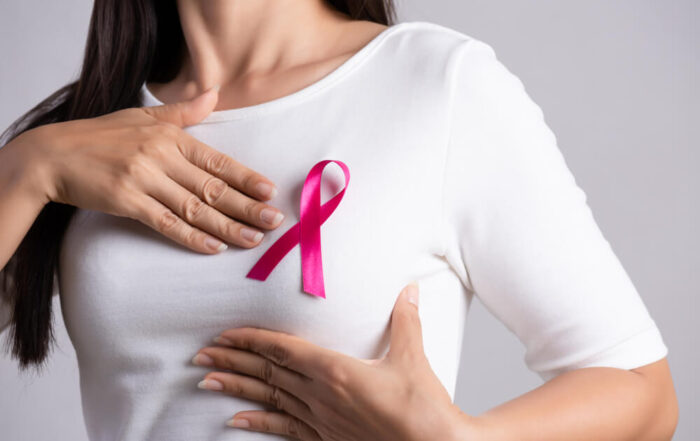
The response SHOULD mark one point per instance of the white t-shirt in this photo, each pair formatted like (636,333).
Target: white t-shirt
(456,182)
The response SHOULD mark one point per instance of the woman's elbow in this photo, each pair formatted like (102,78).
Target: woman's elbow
(662,395)
(671,414)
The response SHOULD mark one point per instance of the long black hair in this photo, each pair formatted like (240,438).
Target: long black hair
(128,43)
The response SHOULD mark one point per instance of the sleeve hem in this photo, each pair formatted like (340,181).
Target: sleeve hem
(642,348)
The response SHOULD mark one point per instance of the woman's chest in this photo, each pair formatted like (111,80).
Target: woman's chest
(122,282)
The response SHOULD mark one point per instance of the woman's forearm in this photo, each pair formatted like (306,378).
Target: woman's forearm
(602,404)
(21,195)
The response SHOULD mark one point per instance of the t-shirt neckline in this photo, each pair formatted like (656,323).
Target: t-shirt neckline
(277,103)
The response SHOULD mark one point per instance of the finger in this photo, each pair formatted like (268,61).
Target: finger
(196,212)
(256,390)
(186,113)
(218,194)
(154,214)
(257,366)
(285,350)
(276,422)
(219,164)
(406,331)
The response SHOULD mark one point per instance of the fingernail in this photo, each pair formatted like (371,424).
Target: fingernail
(238,422)
(267,190)
(412,293)
(222,341)
(210,384)
(251,235)
(202,360)
(215,244)
(271,216)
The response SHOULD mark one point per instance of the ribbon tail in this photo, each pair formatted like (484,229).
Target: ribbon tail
(264,266)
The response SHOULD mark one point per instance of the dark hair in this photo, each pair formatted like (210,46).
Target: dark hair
(128,43)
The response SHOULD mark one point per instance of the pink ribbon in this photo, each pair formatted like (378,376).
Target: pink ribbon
(306,232)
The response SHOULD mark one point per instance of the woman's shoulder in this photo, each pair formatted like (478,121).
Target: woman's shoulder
(425,38)
(430,32)
(424,45)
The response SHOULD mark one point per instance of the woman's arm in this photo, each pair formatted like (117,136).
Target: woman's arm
(595,403)
(21,201)
(21,194)
(520,233)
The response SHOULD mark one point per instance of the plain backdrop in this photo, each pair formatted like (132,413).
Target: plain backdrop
(618,84)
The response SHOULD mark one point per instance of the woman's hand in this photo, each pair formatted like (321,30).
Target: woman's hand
(140,164)
(323,395)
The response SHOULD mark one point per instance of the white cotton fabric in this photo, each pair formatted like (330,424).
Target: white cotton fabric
(456,181)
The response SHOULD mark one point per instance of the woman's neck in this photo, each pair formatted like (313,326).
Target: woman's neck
(240,41)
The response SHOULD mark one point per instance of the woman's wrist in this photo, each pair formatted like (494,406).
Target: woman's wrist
(464,427)
(27,167)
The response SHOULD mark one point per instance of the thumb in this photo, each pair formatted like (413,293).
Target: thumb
(188,112)
(406,329)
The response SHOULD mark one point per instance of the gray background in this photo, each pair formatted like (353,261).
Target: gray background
(618,83)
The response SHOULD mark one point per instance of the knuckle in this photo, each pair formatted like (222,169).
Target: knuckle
(167,220)
(216,163)
(192,208)
(213,190)
(277,353)
(193,236)
(121,184)
(135,167)
(337,375)
(266,425)
(315,406)
(267,371)
(235,388)
(131,173)
(152,147)
(229,360)
(231,230)
(274,397)
(248,179)
(293,427)
(250,209)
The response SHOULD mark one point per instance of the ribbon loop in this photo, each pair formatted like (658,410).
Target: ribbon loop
(306,232)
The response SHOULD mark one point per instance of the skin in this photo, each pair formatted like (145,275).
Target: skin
(259,51)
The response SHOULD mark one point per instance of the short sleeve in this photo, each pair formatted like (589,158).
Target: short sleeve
(519,232)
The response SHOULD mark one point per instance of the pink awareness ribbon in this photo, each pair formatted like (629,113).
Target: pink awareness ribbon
(306,232)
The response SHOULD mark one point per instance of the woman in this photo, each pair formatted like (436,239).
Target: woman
(457,183)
